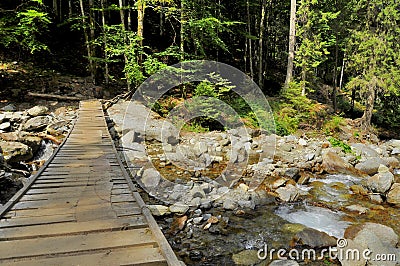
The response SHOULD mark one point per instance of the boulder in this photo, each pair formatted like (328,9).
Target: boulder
(334,164)
(246,257)
(9,108)
(394,194)
(33,142)
(314,238)
(36,123)
(179,208)
(15,151)
(379,239)
(158,210)
(288,193)
(364,151)
(382,181)
(284,263)
(38,110)
(370,166)
(150,178)
(292,173)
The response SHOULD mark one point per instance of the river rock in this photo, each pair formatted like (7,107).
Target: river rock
(38,110)
(394,194)
(370,166)
(284,263)
(382,181)
(379,239)
(9,136)
(15,151)
(5,126)
(334,164)
(150,178)
(9,108)
(229,204)
(364,151)
(36,123)
(246,257)
(395,151)
(357,208)
(302,142)
(314,238)
(288,193)
(375,198)
(179,208)
(292,173)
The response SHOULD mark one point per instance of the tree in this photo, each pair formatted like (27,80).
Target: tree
(292,43)
(374,59)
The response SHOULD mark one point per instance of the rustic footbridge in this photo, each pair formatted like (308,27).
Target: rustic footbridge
(82,208)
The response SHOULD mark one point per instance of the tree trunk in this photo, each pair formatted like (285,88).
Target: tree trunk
(292,43)
(55,7)
(335,78)
(86,35)
(369,107)
(261,46)
(250,41)
(92,38)
(129,16)
(122,13)
(70,9)
(182,31)
(140,20)
(103,22)
(122,16)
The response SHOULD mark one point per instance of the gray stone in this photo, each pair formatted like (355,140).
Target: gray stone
(332,163)
(2,117)
(364,151)
(9,108)
(288,193)
(292,173)
(33,142)
(286,147)
(151,178)
(197,220)
(314,238)
(379,239)
(382,181)
(357,208)
(302,142)
(179,208)
(38,110)
(309,156)
(222,190)
(395,151)
(168,148)
(15,151)
(36,123)
(205,203)
(375,198)
(5,126)
(394,194)
(158,210)
(370,166)
(229,204)
(284,263)
(246,204)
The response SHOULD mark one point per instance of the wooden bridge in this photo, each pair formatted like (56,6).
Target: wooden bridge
(82,208)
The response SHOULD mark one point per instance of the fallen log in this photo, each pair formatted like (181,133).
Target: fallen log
(55,96)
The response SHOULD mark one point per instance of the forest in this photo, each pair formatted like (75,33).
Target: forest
(320,62)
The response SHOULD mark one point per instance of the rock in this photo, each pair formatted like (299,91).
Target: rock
(279,183)
(197,220)
(15,151)
(246,204)
(314,238)
(36,123)
(58,128)
(168,148)
(286,147)
(292,173)
(364,151)
(246,257)
(394,194)
(370,166)
(9,108)
(382,181)
(2,117)
(375,198)
(309,156)
(303,180)
(158,210)
(212,220)
(229,204)
(33,142)
(288,193)
(334,164)
(395,151)
(302,142)
(179,208)
(379,239)
(38,110)
(150,178)
(196,255)
(357,208)
(5,126)
(10,136)
(243,187)
(357,189)
(284,263)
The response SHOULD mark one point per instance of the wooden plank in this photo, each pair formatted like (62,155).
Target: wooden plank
(70,228)
(60,203)
(38,212)
(143,256)
(15,222)
(75,243)
(122,198)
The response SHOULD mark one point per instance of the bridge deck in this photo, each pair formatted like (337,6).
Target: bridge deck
(81,208)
